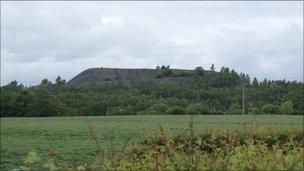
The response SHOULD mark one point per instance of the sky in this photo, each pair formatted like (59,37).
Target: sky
(46,39)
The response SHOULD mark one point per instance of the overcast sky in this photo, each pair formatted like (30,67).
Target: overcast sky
(45,39)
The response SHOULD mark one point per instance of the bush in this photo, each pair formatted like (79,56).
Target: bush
(287,108)
(182,74)
(235,109)
(148,112)
(173,101)
(298,112)
(197,109)
(159,108)
(164,71)
(270,109)
(176,110)
(120,111)
(236,112)
(219,112)
(199,71)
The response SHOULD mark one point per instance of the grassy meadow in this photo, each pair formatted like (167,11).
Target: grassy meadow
(70,139)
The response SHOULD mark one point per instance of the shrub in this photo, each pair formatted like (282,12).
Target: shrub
(182,74)
(270,109)
(120,111)
(173,101)
(197,109)
(287,108)
(176,110)
(159,108)
(219,112)
(298,112)
(236,112)
(235,109)
(199,71)
(164,71)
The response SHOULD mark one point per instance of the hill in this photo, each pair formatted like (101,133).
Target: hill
(106,75)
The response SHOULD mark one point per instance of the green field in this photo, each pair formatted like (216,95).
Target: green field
(70,137)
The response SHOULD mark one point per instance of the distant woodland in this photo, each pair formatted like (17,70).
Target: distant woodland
(218,93)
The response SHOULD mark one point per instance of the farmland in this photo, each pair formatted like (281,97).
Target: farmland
(70,138)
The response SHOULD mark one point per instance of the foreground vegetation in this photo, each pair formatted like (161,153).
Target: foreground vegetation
(138,143)
(252,149)
(246,150)
(196,93)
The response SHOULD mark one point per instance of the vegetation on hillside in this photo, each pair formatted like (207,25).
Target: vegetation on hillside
(214,93)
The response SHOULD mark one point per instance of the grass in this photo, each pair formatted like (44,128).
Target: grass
(69,135)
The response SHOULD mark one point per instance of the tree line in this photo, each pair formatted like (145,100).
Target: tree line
(204,92)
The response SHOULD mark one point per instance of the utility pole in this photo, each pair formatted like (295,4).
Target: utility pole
(243,100)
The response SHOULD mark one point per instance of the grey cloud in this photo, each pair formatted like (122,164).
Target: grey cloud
(46,39)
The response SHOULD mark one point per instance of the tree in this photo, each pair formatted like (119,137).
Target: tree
(158,108)
(235,78)
(255,82)
(24,103)
(45,83)
(270,109)
(165,71)
(199,71)
(247,79)
(59,81)
(14,86)
(192,95)
(235,109)
(59,84)
(163,67)
(252,109)
(265,81)
(225,71)
(175,110)
(44,104)
(8,99)
(120,111)
(212,68)
(287,108)
(296,95)
(197,109)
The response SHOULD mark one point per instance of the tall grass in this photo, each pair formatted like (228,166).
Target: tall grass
(251,148)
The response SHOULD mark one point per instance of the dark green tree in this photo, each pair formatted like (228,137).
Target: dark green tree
(255,82)
(212,68)
(199,71)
